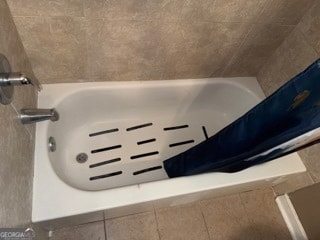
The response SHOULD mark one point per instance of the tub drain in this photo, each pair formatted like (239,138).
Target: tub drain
(82,157)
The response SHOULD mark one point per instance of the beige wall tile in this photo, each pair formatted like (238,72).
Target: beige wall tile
(47,8)
(259,44)
(56,47)
(168,10)
(271,76)
(268,79)
(26,7)
(248,60)
(222,11)
(264,215)
(226,218)
(171,57)
(284,11)
(3,10)
(182,223)
(296,53)
(16,143)
(16,154)
(141,226)
(11,46)
(24,96)
(268,33)
(310,26)
(292,57)
(133,10)
(118,10)
(201,10)
(122,50)
(237,10)
(209,48)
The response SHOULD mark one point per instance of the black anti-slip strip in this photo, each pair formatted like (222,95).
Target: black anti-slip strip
(103,132)
(147,170)
(139,126)
(205,132)
(146,141)
(104,162)
(175,127)
(144,155)
(181,143)
(105,175)
(106,149)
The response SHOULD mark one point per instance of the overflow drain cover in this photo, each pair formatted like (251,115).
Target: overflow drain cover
(52,146)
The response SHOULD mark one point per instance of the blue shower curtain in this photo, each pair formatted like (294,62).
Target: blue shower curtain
(286,121)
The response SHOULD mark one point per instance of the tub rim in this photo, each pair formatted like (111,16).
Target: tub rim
(58,201)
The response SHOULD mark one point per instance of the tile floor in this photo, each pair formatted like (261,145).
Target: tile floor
(249,215)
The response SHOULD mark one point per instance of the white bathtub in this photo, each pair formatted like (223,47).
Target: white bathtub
(126,130)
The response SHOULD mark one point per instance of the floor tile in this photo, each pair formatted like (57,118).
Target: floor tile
(63,234)
(226,218)
(182,223)
(141,226)
(92,231)
(264,215)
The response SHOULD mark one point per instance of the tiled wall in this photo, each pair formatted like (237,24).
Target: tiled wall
(16,140)
(101,40)
(298,51)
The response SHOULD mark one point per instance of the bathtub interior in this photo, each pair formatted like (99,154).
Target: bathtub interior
(118,136)
(60,201)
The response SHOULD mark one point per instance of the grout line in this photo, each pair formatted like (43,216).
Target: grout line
(83,9)
(86,70)
(156,217)
(173,20)
(311,178)
(214,5)
(204,219)
(273,191)
(297,28)
(266,4)
(313,181)
(104,225)
(14,108)
(247,214)
(237,51)
(176,22)
(105,228)
(18,122)
(244,39)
